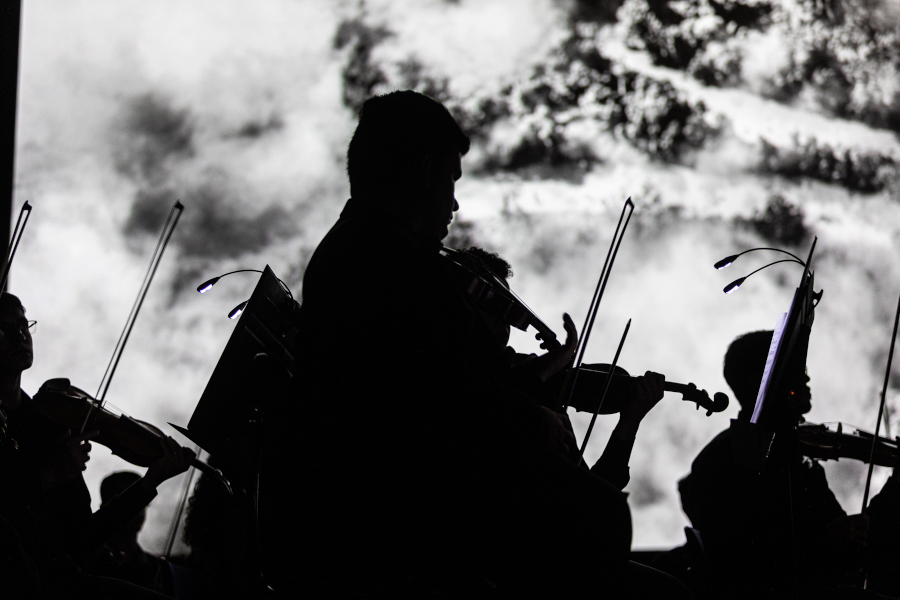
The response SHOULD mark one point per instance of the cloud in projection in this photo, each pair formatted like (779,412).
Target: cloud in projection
(243,111)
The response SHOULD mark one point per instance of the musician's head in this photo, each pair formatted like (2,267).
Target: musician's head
(16,351)
(405,155)
(113,485)
(503,270)
(745,363)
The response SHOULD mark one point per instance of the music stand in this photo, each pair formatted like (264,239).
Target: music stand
(752,441)
(230,404)
(228,421)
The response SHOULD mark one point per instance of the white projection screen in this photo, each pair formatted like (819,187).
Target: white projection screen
(726,135)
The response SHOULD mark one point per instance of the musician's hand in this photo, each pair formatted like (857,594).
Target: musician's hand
(646,392)
(176,459)
(560,439)
(66,459)
(554,361)
(79,448)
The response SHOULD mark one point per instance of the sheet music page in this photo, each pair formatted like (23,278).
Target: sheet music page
(770,363)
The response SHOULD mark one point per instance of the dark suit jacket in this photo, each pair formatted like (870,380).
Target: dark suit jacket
(410,451)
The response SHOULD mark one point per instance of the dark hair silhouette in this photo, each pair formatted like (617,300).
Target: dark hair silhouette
(492,261)
(395,133)
(212,519)
(116,483)
(8,301)
(745,362)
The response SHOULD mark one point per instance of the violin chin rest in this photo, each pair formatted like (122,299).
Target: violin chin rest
(60,384)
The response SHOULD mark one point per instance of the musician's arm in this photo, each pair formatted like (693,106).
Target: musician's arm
(613,464)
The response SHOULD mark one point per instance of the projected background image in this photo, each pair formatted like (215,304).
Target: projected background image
(731,124)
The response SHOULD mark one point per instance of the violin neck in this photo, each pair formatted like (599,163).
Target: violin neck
(669,386)
(679,388)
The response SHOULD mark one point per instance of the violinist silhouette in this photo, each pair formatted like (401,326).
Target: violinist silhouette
(216,531)
(540,378)
(122,557)
(44,496)
(744,517)
(408,468)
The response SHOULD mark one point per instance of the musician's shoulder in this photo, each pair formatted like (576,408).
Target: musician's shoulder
(716,456)
(719,444)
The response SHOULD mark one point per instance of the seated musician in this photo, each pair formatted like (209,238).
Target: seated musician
(19,576)
(122,556)
(408,467)
(217,532)
(744,517)
(46,499)
(540,378)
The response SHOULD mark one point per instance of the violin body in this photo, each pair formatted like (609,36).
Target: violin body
(487,291)
(135,441)
(823,443)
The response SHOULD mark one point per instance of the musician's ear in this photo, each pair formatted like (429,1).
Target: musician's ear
(427,170)
(436,166)
(408,189)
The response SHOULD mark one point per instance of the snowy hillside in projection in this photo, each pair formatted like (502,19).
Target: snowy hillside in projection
(730,124)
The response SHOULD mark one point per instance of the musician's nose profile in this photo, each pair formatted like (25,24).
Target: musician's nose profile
(441,173)
(16,346)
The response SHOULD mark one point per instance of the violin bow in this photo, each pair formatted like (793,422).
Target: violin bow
(164,237)
(185,490)
(609,376)
(14,242)
(568,387)
(887,376)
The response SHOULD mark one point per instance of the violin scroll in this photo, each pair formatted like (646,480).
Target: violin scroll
(591,377)
(690,393)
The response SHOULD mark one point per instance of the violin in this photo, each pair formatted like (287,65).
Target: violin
(487,291)
(592,377)
(131,439)
(825,443)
